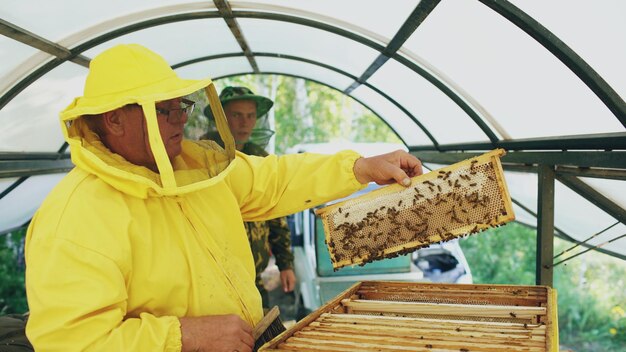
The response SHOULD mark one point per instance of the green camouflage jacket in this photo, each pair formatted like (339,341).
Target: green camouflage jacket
(268,237)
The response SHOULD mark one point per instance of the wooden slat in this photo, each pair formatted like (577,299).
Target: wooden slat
(432,332)
(356,318)
(419,339)
(367,343)
(380,285)
(373,322)
(456,297)
(444,309)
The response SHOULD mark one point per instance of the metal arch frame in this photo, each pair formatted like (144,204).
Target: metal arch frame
(334,69)
(502,7)
(448,88)
(315,81)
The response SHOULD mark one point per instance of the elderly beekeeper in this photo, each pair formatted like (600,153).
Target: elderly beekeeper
(141,247)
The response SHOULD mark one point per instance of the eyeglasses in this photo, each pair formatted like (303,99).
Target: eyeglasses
(175,115)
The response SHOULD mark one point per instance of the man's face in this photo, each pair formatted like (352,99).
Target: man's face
(135,136)
(241,116)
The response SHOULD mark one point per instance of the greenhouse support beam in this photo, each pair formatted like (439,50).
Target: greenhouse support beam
(594,197)
(611,174)
(13,186)
(31,39)
(19,168)
(604,141)
(599,159)
(415,19)
(227,14)
(545,225)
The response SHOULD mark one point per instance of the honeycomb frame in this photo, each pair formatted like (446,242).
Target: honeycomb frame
(464,198)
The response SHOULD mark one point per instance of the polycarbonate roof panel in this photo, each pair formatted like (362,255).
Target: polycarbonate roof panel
(441,116)
(30,122)
(601,45)
(382,20)
(306,70)
(523,188)
(528,90)
(19,205)
(614,190)
(215,68)
(180,41)
(307,42)
(55,21)
(400,122)
(581,219)
(12,55)
(6,183)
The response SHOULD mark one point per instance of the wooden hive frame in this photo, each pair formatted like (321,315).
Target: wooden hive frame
(400,316)
(463,198)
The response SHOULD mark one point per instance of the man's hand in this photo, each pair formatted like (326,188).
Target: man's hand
(288,279)
(388,168)
(217,333)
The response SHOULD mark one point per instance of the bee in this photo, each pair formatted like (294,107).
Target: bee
(513,314)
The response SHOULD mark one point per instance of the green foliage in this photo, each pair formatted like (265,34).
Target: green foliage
(503,255)
(591,288)
(12,291)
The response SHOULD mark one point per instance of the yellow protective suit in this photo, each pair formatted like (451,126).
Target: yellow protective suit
(117,253)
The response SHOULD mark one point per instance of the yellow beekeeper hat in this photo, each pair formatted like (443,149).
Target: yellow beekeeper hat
(132,74)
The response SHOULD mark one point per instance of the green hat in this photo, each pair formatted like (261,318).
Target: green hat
(263,104)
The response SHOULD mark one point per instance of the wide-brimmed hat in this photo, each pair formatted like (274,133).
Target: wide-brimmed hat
(127,74)
(228,94)
(132,74)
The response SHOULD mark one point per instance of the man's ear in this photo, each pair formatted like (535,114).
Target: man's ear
(112,122)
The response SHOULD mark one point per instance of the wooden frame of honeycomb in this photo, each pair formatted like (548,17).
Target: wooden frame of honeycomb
(464,198)
(403,316)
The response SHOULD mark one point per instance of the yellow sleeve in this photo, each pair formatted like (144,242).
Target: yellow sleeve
(77,300)
(275,186)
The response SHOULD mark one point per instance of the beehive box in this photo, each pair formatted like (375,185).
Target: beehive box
(395,316)
(463,198)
